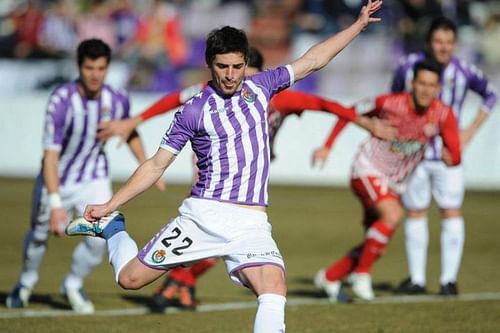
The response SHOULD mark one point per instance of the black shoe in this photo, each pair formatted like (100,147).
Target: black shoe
(449,289)
(407,287)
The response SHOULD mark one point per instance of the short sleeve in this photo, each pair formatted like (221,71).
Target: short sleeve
(275,80)
(183,128)
(55,116)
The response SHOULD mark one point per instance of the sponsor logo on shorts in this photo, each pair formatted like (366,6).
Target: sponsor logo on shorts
(275,254)
(158,256)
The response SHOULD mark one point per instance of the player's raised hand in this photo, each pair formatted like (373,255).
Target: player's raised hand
(365,16)
(320,156)
(383,129)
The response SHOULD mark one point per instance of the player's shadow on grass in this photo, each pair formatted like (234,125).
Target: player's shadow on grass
(55,302)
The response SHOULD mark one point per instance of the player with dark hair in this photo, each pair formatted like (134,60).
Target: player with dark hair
(381,169)
(225,216)
(74,171)
(433,178)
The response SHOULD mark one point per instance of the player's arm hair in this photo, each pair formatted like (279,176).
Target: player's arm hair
(50,167)
(320,54)
(143,178)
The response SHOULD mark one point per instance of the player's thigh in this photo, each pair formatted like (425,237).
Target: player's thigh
(264,279)
(136,274)
(448,187)
(417,195)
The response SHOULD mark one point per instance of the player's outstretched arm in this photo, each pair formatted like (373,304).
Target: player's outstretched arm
(58,217)
(322,53)
(320,155)
(143,178)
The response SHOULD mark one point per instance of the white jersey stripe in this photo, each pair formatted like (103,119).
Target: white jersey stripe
(215,151)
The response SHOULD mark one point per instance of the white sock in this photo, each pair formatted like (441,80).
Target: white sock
(270,317)
(452,245)
(34,251)
(416,241)
(86,256)
(121,249)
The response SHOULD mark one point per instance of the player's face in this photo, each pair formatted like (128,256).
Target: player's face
(228,71)
(92,74)
(425,88)
(443,45)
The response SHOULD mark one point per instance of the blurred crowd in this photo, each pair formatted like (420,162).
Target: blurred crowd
(158,39)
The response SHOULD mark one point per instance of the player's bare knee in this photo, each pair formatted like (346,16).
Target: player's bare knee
(417,213)
(451,212)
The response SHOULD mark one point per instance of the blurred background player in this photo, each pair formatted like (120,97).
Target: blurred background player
(74,172)
(181,281)
(433,178)
(381,169)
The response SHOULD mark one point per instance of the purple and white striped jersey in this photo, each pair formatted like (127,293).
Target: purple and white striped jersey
(71,128)
(230,138)
(456,79)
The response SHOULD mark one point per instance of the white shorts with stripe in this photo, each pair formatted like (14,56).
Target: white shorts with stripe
(433,178)
(207,229)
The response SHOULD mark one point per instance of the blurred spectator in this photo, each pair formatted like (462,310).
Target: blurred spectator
(414,20)
(7,29)
(97,23)
(28,19)
(126,21)
(58,34)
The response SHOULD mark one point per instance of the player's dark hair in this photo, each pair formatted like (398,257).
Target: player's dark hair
(93,49)
(226,40)
(428,65)
(439,23)
(255,58)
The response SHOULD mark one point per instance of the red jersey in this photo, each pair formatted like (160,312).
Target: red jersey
(396,160)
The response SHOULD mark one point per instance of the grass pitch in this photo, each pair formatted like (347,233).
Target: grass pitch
(313,227)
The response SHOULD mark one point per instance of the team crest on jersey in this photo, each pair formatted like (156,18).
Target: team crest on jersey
(158,256)
(430,130)
(248,96)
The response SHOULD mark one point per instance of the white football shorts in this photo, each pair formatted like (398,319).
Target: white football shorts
(208,229)
(444,183)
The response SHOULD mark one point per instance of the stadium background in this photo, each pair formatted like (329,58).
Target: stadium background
(312,224)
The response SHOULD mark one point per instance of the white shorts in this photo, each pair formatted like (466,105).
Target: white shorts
(75,198)
(207,229)
(445,184)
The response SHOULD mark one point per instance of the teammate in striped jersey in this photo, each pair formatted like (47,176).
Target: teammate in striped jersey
(225,214)
(433,178)
(74,171)
(182,280)
(381,169)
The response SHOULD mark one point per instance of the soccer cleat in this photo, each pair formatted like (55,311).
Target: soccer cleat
(449,289)
(362,286)
(331,288)
(113,223)
(407,287)
(79,301)
(19,297)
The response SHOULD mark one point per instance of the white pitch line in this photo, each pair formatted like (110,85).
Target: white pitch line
(486,296)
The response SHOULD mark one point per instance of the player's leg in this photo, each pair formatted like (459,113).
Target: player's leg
(448,191)
(268,284)
(375,195)
(416,200)
(34,248)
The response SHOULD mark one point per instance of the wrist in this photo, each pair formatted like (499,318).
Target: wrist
(55,201)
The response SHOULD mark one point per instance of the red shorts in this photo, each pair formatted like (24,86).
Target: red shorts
(371,190)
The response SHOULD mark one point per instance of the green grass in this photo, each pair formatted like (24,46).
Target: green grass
(312,225)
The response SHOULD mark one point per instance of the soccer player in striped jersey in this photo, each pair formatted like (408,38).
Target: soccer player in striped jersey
(182,280)
(381,169)
(74,171)
(225,216)
(433,178)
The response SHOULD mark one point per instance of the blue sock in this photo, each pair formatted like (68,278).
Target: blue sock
(116,225)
